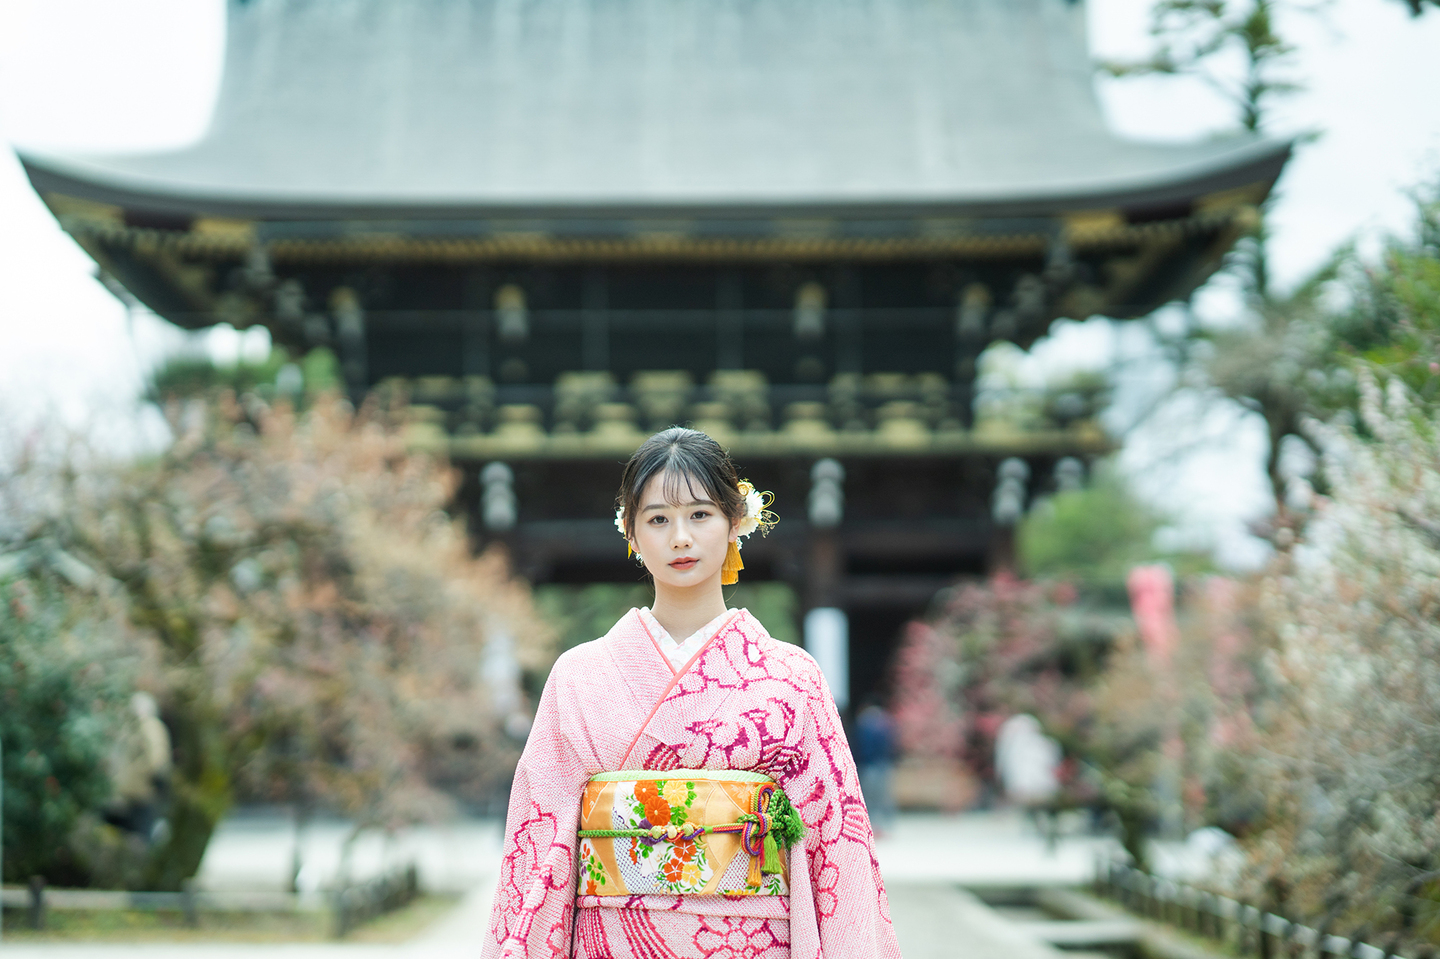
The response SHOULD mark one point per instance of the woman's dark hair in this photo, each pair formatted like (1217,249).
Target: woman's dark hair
(694,462)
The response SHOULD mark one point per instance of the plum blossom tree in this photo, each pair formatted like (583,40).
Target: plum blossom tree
(310,619)
(1350,756)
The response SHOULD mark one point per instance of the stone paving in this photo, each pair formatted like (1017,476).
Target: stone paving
(925,861)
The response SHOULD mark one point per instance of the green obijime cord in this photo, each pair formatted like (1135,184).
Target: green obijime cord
(771,862)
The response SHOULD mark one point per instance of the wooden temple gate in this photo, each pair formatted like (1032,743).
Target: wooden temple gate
(560,224)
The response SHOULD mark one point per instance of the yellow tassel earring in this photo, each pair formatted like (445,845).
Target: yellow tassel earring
(730,571)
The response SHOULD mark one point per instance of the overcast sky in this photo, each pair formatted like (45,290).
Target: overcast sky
(105,75)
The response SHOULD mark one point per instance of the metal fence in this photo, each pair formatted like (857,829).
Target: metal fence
(1242,927)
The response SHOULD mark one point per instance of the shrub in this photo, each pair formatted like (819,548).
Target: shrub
(59,695)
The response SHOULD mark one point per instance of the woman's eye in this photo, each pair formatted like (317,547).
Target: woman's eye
(699,514)
(656,520)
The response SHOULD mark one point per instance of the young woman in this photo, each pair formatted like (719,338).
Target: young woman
(687,790)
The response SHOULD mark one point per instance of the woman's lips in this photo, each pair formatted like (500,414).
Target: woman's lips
(684,562)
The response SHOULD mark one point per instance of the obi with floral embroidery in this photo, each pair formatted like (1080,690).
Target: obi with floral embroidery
(685,831)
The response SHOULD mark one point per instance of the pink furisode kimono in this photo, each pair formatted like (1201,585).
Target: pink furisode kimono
(743,702)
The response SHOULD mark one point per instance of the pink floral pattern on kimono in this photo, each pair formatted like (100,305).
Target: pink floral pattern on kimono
(745,701)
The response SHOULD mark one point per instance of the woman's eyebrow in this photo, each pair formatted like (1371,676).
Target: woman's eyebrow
(697,502)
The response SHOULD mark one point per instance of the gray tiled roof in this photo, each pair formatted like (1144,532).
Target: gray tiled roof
(464,105)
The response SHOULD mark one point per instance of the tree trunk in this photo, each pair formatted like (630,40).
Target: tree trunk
(297,851)
(1134,833)
(1279,424)
(202,796)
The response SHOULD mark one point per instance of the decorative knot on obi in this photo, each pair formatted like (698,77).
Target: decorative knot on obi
(685,831)
(774,823)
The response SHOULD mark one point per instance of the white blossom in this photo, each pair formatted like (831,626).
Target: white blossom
(1352,752)
(754,507)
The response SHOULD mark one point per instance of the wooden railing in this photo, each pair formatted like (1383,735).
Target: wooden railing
(351,904)
(37,900)
(1242,927)
(360,902)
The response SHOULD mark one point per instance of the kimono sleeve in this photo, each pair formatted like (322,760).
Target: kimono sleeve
(535,896)
(840,871)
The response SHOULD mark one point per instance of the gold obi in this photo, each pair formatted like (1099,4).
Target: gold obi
(685,831)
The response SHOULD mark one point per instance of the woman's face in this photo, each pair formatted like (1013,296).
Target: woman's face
(682,544)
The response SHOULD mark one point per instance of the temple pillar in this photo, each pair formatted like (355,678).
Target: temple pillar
(972,313)
(595,321)
(350,341)
(730,321)
(827,638)
(827,633)
(826,510)
(475,329)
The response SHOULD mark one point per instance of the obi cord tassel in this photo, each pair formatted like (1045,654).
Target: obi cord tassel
(773,822)
(730,571)
(786,828)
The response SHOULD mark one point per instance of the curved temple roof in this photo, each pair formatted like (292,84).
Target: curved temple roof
(372,107)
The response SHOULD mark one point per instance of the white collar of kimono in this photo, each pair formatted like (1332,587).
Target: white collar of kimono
(679,652)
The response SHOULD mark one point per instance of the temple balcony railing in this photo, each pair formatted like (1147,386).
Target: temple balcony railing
(648,319)
(806,343)
(584,415)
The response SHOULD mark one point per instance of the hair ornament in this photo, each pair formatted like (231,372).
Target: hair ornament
(757,516)
(757,511)
(620,525)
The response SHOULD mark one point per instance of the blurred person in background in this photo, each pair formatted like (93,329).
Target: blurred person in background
(875,757)
(1027,763)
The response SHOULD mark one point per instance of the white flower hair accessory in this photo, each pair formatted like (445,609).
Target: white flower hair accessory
(757,513)
(756,516)
(620,525)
